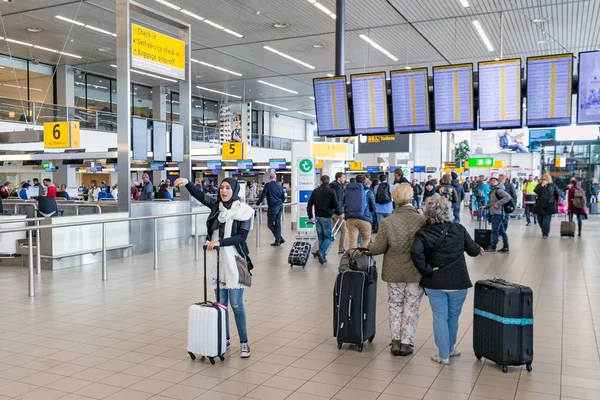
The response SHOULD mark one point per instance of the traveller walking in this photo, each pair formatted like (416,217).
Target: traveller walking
(512,191)
(325,203)
(399,176)
(577,203)
(418,192)
(460,193)
(546,203)
(338,188)
(498,198)
(438,254)
(275,195)
(447,190)
(530,198)
(360,210)
(482,196)
(228,225)
(383,199)
(467,191)
(394,240)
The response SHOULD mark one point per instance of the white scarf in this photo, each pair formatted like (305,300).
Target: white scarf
(238,212)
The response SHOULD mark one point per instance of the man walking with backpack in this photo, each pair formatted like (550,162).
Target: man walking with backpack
(448,191)
(510,189)
(338,188)
(360,210)
(383,199)
(460,193)
(326,205)
(498,198)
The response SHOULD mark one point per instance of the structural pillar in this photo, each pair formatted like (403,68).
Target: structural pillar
(65,85)
(159,103)
(340,37)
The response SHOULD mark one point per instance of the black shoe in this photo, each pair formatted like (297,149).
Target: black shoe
(504,250)
(282,241)
(528,224)
(316,253)
(320,258)
(490,250)
(341,251)
(275,244)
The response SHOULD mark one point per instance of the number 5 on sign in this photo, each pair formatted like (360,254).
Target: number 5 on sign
(61,135)
(234,151)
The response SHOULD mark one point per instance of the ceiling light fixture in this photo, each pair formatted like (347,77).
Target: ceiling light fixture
(147,74)
(310,115)
(539,20)
(378,47)
(45,49)
(218,92)
(270,105)
(311,97)
(277,87)
(221,27)
(19,42)
(71,21)
(407,67)
(464,3)
(170,5)
(69,54)
(94,28)
(322,8)
(318,45)
(331,75)
(216,67)
(233,33)
(191,14)
(280,25)
(483,36)
(288,57)
(34,29)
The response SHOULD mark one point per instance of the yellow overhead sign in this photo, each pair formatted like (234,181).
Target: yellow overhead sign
(319,164)
(329,151)
(234,151)
(154,52)
(62,135)
(355,166)
(499,164)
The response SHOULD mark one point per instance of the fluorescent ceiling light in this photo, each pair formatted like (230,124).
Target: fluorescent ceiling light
(288,57)
(214,24)
(464,3)
(270,105)
(378,47)
(303,113)
(330,75)
(216,91)
(69,54)
(310,97)
(98,29)
(191,14)
(216,67)
(277,87)
(483,36)
(19,42)
(322,8)
(233,33)
(147,74)
(45,48)
(72,21)
(170,5)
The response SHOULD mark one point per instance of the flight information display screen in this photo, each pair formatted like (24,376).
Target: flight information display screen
(369,104)
(410,101)
(588,98)
(500,94)
(159,140)
(331,104)
(453,97)
(549,87)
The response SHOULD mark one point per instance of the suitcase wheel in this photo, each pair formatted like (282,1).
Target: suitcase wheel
(221,357)
(529,368)
(371,339)
(478,356)
(192,355)
(505,368)
(211,359)
(360,348)
(339,346)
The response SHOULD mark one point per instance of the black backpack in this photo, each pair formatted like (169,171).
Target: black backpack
(383,194)
(509,207)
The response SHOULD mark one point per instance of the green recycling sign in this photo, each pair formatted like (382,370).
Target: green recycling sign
(305,165)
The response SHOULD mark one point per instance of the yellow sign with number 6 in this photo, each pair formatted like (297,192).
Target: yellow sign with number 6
(61,135)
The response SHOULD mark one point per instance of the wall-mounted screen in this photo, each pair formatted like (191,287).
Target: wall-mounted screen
(500,94)
(214,165)
(549,87)
(159,140)
(410,101)
(177,145)
(369,104)
(157,166)
(139,138)
(588,97)
(453,97)
(244,164)
(538,136)
(277,163)
(331,105)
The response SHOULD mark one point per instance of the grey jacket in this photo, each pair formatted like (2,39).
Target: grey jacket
(500,196)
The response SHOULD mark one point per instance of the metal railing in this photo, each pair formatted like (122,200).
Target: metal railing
(259,218)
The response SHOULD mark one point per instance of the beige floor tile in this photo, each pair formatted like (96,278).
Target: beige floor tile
(201,381)
(414,380)
(153,386)
(93,374)
(356,394)
(212,395)
(525,395)
(495,392)
(320,389)
(264,367)
(268,393)
(43,394)
(69,384)
(412,392)
(331,379)
(256,378)
(539,387)
(182,392)
(576,392)
(453,386)
(299,373)
(41,378)
(305,396)
(16,389)
(281,382)
(437,394)
(98,390)
(234,387)
(128,394)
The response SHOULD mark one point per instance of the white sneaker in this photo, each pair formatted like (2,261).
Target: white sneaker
(455,353)
(436,358)
(244,350)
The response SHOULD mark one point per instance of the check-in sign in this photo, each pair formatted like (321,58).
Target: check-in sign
(154,52)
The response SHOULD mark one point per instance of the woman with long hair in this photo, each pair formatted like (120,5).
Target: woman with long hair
(576,200)
(546,203)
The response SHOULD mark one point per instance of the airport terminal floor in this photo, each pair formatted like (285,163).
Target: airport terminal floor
(81,338)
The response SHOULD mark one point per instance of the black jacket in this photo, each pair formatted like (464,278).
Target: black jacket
(460,190)
(275,194)
(449,257)
(547,199)
(239,230)
(325,202)
(510,189)
(339,194)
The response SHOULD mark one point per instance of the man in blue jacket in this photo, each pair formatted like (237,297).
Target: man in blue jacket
(275,194)
(360,211)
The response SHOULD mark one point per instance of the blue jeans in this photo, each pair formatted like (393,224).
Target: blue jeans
(237,304)
(498,230)
(381,216)
(274,222)
(446,308)
(417,202)
(456,212)
(545,222)
(324,234)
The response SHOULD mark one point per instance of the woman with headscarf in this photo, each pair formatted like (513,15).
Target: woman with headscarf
(228,225)
(428,192)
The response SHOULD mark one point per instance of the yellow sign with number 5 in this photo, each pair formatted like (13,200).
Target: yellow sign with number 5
(234,151)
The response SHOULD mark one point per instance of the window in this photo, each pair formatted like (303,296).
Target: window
(141,102)
(174,109)
(98,93)
(41,85)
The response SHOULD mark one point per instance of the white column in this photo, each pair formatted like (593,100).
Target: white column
(65,85)
(159,103)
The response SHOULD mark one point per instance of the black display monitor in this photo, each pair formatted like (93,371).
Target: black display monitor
(588,93)
(410,101)
(500,100)
(331,105)
(369,104)
(453,97)
(549,90)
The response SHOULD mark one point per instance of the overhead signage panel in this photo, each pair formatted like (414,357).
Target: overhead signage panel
(154,52)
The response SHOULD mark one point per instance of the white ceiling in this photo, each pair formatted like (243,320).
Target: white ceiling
(419,33)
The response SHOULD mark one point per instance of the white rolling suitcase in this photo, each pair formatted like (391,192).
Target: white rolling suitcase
(206,325)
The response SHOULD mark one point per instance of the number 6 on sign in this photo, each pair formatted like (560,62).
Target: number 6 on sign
(61,135)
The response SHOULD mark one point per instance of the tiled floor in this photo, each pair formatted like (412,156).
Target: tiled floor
(80,338)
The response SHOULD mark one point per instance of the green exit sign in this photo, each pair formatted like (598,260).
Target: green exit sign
(45,165)
(481,162)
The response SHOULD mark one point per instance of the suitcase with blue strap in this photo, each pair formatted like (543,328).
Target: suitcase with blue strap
(503,323)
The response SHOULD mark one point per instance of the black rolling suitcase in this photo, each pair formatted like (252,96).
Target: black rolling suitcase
(354,304)
(503,323)
(299,253)
(483,237)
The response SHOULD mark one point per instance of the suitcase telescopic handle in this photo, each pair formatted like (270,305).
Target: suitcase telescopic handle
(205,248)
